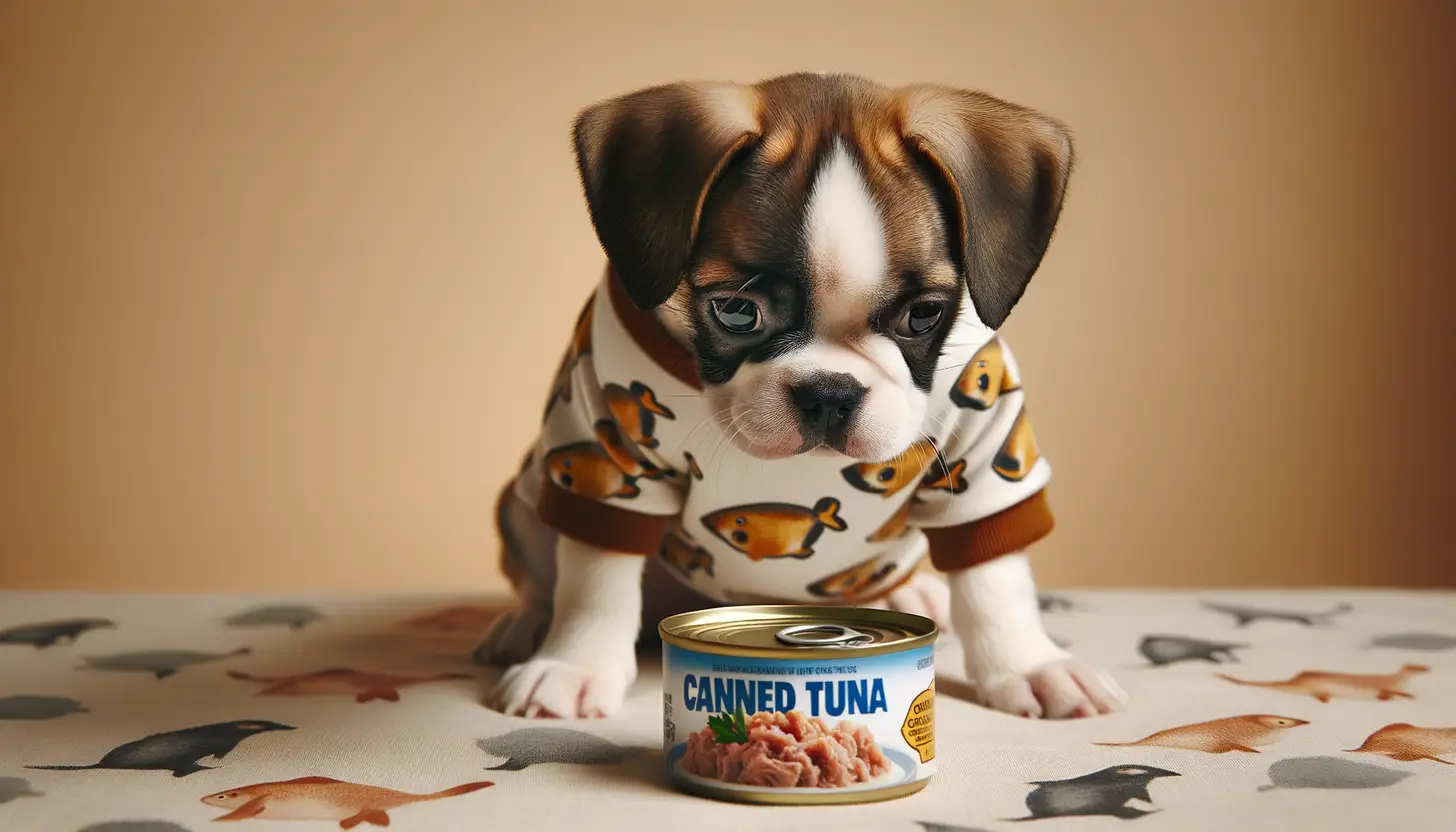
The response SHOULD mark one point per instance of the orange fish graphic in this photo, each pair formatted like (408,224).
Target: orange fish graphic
(683,554)
(365,686)
(610,435)
(322,798)
(1409,743)
(1324,686)
(895,528)
(984,378)
(580,346)
(853,582)
(586,468)
(636,410)
(1220,736)
(889,477)
(775,530)
(463,619)
(948,477)
(1019,454)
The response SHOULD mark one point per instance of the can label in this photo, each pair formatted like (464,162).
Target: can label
(754,724)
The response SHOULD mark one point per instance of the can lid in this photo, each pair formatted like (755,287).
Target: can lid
(797,632)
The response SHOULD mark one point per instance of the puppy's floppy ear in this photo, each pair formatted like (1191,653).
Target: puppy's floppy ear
(647,161)
(1004,169)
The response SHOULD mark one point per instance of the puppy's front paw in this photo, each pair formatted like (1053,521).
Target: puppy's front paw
(1065,689)
(551,688)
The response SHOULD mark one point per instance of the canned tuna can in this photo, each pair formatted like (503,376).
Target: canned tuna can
(798,704)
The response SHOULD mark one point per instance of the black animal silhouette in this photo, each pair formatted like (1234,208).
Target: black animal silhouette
(1104,792)
(48,633)
(1244,616)
(1164,650)
(179,751)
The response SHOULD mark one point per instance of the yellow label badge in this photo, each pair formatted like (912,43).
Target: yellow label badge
(919,727)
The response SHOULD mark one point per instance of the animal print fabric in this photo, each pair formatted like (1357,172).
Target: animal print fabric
(1328,710)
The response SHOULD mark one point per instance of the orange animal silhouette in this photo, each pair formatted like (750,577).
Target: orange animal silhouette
(466,619)
(895,528)
(681,553)
(1408,743)
(322,798)
(1019,455)
(1220,736)
(610,436)
(889,477)
(587,469)
(1325,686)
(775,530)
(984,378)
(637,410)
(365,686)
(942,476)
(853,582)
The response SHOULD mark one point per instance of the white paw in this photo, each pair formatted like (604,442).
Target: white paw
(550,688)
(1066,689)
(513,637)
(924,594)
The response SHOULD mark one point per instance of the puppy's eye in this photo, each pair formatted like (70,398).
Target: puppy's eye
(920,320)
(737,315)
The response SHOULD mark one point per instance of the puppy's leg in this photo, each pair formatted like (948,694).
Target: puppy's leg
(528,557)
(1015,665)
(588,659)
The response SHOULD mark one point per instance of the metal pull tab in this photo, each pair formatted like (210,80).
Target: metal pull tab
(822,635)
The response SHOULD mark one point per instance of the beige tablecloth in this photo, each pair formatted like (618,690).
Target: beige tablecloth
(173,682)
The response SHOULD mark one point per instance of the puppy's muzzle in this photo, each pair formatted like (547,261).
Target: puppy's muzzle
(827,404)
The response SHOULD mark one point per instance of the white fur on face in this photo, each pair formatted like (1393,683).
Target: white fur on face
(845,237)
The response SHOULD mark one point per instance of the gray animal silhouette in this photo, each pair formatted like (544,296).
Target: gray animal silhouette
(1244,616)
(1104,792)
(1329,773)
(38,707)
(1053,603)
(1165,650)
(136,826)
(14,788)
(48,633)
(1431,642)
(179,752)
(296,616)
(159,663)
(535,746)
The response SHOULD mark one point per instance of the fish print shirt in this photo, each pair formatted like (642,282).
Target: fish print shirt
(630,458)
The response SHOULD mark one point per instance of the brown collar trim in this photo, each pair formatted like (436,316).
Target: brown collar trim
(650,336)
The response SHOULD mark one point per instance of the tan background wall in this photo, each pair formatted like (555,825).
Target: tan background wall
(282,283)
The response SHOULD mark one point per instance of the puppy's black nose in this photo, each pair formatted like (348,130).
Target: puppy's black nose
(827,403)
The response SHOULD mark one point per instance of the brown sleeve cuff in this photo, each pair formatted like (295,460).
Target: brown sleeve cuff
(600,524)
(960,547)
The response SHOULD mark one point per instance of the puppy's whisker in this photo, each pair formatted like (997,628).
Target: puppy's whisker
(706,421)
(726,442)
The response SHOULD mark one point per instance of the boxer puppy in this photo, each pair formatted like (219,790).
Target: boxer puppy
(788,385)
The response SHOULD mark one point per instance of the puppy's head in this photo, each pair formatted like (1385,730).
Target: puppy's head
(814,240)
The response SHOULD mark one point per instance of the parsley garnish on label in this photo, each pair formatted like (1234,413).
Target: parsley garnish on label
(729,728)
